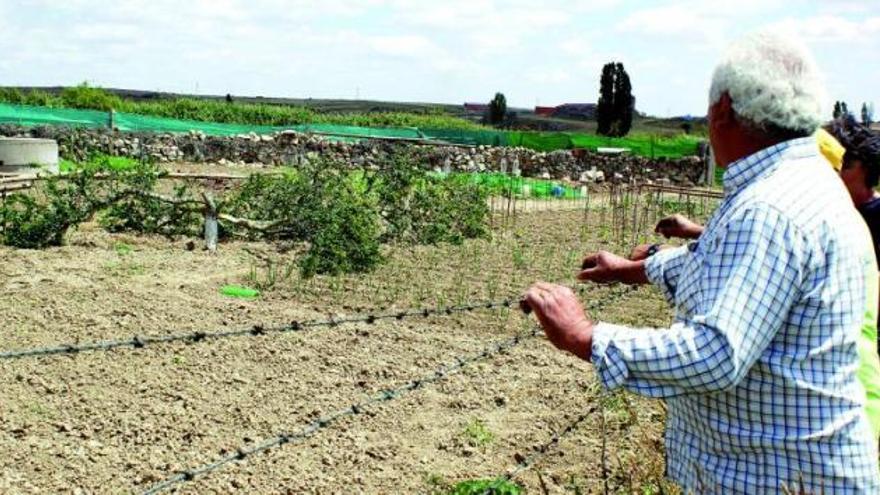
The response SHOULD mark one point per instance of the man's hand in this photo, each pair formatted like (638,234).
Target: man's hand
(604,267)
(679,226)
(563,318)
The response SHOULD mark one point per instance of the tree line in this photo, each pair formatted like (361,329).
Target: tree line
(841,111)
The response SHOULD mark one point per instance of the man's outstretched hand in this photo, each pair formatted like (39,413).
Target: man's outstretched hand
(563,318)
(678,226)
(604,267)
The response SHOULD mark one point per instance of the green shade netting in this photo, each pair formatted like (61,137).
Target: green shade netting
(540,141)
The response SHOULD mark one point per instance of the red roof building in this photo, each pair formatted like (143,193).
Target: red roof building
(545,111)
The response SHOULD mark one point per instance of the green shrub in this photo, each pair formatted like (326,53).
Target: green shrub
(284,199)
(61,203)
(152,214)
(87,97)
(445,210)
(421,208)
(342,216)
(321,204)
(346,238)
(25,223)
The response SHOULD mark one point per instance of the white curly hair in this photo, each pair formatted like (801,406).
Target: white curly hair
(773,83)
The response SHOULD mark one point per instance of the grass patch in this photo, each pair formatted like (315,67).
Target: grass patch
(123,249)
(477,434)
(486,487)
(99,162)
(124,269)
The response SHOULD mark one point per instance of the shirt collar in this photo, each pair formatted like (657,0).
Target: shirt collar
(747,170)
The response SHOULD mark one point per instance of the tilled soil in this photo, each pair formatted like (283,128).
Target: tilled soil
(121,421)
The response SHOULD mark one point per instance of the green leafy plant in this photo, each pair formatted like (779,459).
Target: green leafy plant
(477,434)
(122,249)
(61,203)
(420,208)
(347,237)
(339,216)
(321,205)
(177,215)
(486,487)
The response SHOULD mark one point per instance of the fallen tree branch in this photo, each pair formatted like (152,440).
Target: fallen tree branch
(258,225)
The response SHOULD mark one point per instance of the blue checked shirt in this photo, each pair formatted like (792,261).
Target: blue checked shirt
(759,368)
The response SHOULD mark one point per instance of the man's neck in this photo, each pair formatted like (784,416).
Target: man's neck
(863,196)
(750,146)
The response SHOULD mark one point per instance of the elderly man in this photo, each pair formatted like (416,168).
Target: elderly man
(858,163)
(759,368)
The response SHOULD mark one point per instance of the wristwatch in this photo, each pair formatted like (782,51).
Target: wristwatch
(652,249)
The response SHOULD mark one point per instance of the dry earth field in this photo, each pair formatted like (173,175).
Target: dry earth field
(121,421)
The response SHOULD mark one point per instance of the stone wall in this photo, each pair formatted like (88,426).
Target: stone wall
(292,148)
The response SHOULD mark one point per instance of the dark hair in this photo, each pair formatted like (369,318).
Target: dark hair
(847,131)
(867,152)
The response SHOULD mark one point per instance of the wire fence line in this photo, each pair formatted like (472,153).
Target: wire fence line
(325,421)
(383,397)
(141,341)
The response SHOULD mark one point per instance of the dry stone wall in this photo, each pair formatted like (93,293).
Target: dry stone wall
(293,148)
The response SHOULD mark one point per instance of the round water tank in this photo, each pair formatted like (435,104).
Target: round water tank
(28,155)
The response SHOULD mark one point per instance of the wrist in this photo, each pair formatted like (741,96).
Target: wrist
(695,232)
(580,342)
(633,273)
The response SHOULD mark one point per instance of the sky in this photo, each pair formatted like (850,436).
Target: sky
(543,52)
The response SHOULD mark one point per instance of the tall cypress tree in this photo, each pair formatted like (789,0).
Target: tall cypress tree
(497,109)
(624,102)
(836,113)
(605,106)
(867,114)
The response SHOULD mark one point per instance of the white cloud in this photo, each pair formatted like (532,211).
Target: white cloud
(512,16)
(678,21)
(402,46)
(548,76)
(576,46)
(107,32)
(703,25)
(481,45)
(830,28)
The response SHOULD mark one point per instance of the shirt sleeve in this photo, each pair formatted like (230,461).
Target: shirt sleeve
(664,268)
(747,280)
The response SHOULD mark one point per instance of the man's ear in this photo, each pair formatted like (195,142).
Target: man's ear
(723,114)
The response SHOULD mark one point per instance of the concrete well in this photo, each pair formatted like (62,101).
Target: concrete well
(28,155)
